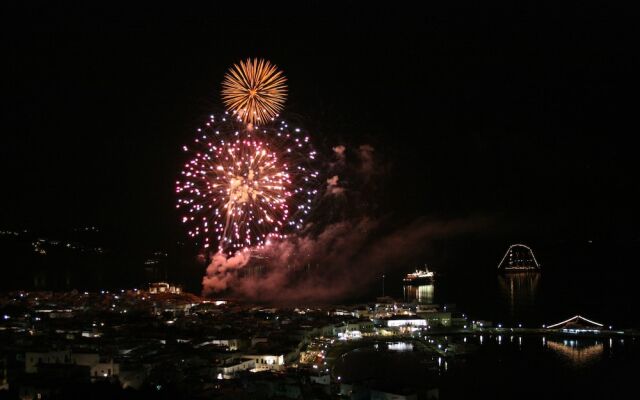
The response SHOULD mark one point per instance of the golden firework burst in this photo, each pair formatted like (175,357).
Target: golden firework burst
(255,90)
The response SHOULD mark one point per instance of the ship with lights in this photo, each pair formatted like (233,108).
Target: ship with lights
(419,277)
(519,258)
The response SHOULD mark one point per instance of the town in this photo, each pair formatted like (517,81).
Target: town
(163,342)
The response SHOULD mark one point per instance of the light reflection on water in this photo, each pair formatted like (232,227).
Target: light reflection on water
(422,294)
(553,363)
(518,294)
(400,346)
(393,363)
(577,352)
(520,291)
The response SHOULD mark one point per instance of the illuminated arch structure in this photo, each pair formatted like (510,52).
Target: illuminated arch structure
(577,324)
(519,257)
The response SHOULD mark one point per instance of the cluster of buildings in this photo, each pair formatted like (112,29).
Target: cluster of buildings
(164,340)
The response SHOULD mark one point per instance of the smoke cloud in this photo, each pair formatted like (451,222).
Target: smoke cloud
(340,262)
(221,271)
(332,186)
(341,251)
(365,152)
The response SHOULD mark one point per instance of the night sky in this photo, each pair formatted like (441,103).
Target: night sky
(525,116)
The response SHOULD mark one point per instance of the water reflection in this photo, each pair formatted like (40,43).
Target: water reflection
(577,352)
(520,290)
(392,364)
(422,294)
(400,346)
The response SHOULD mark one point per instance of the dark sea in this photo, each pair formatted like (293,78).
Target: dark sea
(502,367)
(596,282)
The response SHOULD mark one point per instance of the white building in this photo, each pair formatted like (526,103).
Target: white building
(436,318)
(164,287)
(408,322)
(32,359)
(265,362)
(321,379)
(229,371)
(97,368)
(105,370)
(382,395)
(229,344)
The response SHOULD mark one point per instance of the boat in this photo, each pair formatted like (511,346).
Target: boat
(419,277)
(519,258)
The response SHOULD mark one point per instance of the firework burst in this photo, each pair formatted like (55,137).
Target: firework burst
(243,186)
(255,90)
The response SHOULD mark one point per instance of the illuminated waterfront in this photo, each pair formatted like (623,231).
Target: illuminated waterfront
(503,365)
(532,299)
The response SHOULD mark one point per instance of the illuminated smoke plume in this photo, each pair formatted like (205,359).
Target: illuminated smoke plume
(222,269)
(333,188)
(365,152)
(337,255)
(339,157)
(344,259)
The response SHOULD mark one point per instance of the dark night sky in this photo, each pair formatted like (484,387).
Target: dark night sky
(522,114)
